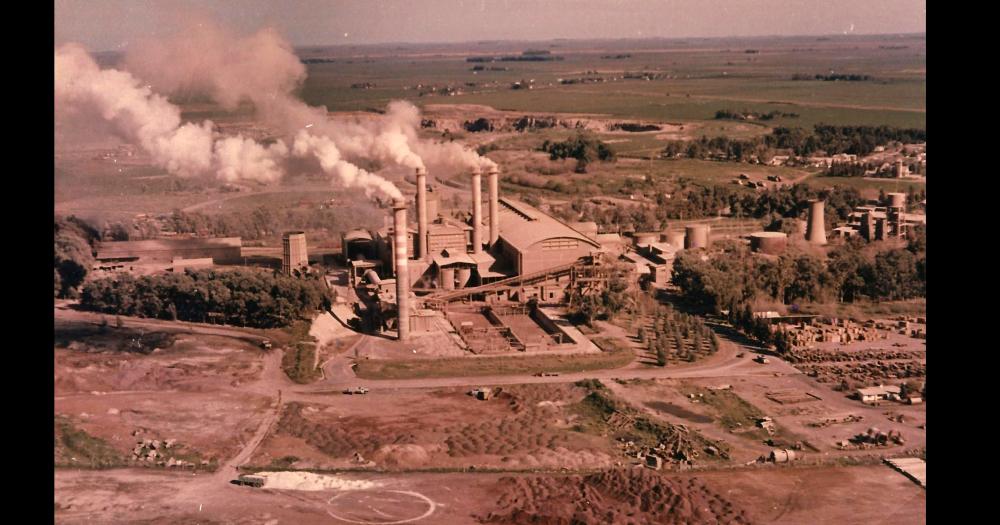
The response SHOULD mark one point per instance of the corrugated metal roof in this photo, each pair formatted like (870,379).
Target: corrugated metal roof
(355,235)
(522,226)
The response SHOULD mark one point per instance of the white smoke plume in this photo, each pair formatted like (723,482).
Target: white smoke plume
(134,110)
(153,123)
(348,174)
(263,69)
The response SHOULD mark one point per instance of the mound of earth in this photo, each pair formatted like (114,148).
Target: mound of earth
(636,496)
(402,455)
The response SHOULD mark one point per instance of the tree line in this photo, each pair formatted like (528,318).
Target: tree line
(697,202)
(832,140)
(74,242)
(728,114)
(847,275)
(670,326)
(242,297)
(582,148)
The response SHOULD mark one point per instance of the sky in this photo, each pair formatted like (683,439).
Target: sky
(103,25)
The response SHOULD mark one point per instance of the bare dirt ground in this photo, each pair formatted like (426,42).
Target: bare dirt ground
(405,426)
(524,426)
(876,494)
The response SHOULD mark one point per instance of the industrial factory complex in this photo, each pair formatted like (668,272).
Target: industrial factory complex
(510,257)
(673,280)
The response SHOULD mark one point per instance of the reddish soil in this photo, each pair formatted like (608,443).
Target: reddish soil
(636,496)
(525,426)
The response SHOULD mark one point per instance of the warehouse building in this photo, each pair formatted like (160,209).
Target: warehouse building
(531,240)
(223,250)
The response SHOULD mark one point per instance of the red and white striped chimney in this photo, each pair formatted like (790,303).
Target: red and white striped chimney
(422,234)
(477,211)
(400,253)
(493,181)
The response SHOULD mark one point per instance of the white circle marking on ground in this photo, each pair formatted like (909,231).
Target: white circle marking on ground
(431,507)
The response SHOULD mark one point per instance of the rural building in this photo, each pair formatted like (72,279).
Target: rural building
(878,393)
(179,264)
(221,250)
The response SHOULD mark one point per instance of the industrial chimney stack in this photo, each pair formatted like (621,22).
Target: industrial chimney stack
(402,273)
(421,244)
(492,178)
(477,211)
(816,229)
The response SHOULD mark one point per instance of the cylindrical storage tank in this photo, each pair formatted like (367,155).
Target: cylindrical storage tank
(645,238)
(696,236)
(447,278)
(772,243)
(816,230)
(897,200)
(675,238)
(372,277)
(464,275)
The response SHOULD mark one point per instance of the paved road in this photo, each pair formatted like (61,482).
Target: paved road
(339,373)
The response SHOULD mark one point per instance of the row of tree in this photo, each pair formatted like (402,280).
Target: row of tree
(670,326)
(848,275)
(243,297)
(746,114)
(697,202)
(832,140)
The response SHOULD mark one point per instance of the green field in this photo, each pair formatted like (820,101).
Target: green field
(489,366)
(703,78)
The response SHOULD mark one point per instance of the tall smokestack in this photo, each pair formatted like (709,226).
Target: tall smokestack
(422,215)
(477,211)
(402,273)
(492,179)
(816,229)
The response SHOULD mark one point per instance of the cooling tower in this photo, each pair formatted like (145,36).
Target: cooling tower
(816,229)
(477,212)
(675,238)
(421,244)
(493,182)
(400,253)
(696,236)
(294,255)
(773,243)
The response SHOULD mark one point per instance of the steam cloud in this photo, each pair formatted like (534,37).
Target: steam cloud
(261,69)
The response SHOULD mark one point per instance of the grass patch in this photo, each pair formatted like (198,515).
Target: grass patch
(299,361)
(601,413)
(734,412)
(282,463)
(739,416)
(78,449)
(488,366)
